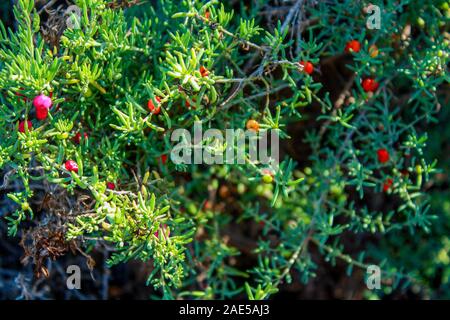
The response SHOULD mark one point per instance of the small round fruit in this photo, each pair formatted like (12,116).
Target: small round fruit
(224,191)
(420,22)
(151,106)
(370,85)
(207,205)
(111,185)
(25,206)
(308,67)
(71,166)
(163,159)
(204,72)
(383,155)
(188,105)
(77,137)
(252,125)
(267,175)
(42,104)
(373,51)
(165,231)
(267,179)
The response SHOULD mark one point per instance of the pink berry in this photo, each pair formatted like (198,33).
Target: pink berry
(42,104)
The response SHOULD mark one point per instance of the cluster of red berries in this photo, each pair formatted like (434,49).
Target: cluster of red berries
(21,97)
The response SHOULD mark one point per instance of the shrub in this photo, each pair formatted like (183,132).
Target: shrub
(351,105)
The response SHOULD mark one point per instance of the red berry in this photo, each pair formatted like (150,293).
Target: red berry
(111,185)
(203,71)
(163,158)
(252,125)
(77,138)
(41,113)
(370,85)
(267,171)
(353,46)
(387,184)
(207,205)
(383,155)
(308,67)
(188,105)
(267,175)
(42,104)
(24,97)
(151,106)
(71,166)
(22,126)
(207,15)
(373,51)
